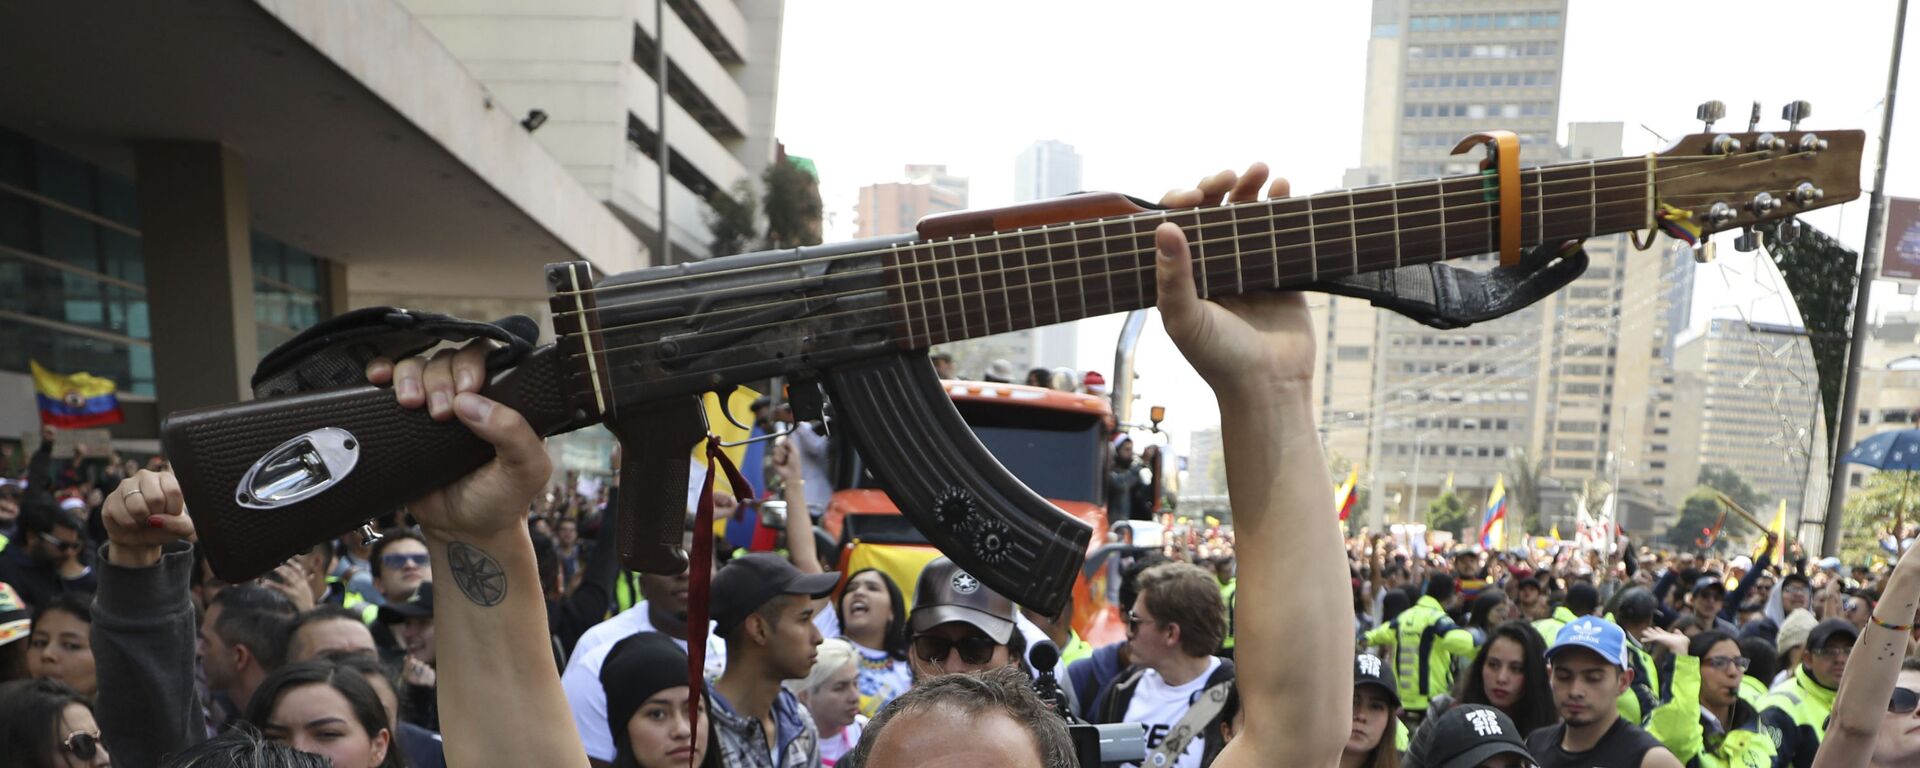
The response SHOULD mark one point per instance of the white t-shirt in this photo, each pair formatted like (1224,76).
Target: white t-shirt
(832,748)
(1159,707)
(588,698)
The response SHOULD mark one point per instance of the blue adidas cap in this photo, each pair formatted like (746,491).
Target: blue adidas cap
(1594,634)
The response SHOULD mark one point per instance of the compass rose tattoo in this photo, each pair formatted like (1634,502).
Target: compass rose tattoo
(478,575)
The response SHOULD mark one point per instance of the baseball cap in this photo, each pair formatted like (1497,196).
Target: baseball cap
(1369,670)
(1742,562)
(1466,736)
(419,605)
(1827,630)
(1794,630)
(1709,581)
(1594,634)
(945,594)
(749,582)
(15,619)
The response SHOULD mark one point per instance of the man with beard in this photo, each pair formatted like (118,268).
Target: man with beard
(663,609)
(1589,666)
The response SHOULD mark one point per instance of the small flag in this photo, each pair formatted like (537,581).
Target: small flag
(1778,527)
(74,401)
(1448,487)
(1493,526)
(1555,533)
(1343,496)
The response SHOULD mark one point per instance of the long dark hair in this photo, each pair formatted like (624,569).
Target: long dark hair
(1483,605)
(894,642)
(350,684)
(1535,708)
(30,712)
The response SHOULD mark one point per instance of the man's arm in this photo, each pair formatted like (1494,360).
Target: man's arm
(1730,608)
(143,624)
(500,696)
(1676,722)
(1659,757)
(1458,642)
(1256,352)
(1871,671)
(592,595)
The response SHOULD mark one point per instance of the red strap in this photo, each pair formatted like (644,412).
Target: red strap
(699,579)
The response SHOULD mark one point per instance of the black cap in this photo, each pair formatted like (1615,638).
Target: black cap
(747,583)
(1708,581)
(1829,629)
(418,606)
(1368,669)
(1467,736)
(945,593)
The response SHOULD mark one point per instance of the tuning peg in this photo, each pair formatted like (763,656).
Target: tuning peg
(368,536)
(1753,120)
(1703,251)
(1788,231)
(1710,112)
(1794,112)
(1747,241)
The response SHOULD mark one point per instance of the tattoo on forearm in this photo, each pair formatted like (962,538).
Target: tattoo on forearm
(478,575)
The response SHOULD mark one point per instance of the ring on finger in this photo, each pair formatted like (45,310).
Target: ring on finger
(129,493)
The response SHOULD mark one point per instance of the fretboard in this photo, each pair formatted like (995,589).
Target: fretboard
(968,287)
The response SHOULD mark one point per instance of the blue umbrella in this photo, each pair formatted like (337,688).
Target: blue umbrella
(1890,451)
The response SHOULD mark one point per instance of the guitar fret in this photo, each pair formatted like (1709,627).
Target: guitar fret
(1106,264)
(1593,201)
(1395,190)
(1006,283)
(1239,270)
(1440,197)
(1273,239)
(1540,206)
(1353,234)
(1313,240)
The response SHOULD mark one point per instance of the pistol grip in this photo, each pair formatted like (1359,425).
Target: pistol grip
(955,492)
(656,446)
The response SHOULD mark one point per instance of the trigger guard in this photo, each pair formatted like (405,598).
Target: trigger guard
(953,490)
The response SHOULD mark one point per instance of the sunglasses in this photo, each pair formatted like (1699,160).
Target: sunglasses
(1721,662)
(401,561)
(1905,701)
(83,745)
(1134,621)
(55,541)
(974,649)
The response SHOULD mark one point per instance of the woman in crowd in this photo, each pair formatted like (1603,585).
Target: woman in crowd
(327,709)
(1510,674)
(869,611)
(648,706)
(1489,610)
(1374,741)
(1725,730)
(46,724)
(61,646)
(831,694)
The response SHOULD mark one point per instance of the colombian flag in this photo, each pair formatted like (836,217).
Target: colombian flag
(75,400)
(1343,496)
(1493,527)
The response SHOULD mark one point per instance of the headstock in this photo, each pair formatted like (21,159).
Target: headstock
(1730,180)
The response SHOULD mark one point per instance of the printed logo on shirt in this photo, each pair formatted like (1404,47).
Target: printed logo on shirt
(964,583)
(1484,722)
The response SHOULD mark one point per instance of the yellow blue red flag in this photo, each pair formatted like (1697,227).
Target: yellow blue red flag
(74,400)
(1493,526)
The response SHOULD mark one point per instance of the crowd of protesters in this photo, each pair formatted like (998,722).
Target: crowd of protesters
(489,623)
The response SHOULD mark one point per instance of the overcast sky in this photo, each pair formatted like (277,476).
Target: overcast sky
(1156,95)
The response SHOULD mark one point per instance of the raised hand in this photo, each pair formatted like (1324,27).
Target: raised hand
(144,513)
(1674,642)
(1237,341)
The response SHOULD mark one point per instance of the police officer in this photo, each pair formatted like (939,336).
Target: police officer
(1795,712)
(1424,643)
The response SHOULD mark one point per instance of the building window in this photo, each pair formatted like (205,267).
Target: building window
(1352,353)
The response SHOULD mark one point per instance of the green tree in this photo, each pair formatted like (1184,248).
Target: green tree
(1700,511)
(1872,510)
(733,219)
(1723,479)
(792,202)
(1447,513)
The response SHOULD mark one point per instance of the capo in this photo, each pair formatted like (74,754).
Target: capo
(1651,198)
(1503,153)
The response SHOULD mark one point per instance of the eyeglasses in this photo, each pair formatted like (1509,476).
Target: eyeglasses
(1905,701)
(397,560)
(974,649)
(1721,662)
(82,745)
(55,541)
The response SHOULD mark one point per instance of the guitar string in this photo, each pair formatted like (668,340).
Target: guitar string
(1478,188)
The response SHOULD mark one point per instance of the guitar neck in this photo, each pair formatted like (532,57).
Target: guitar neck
(968,287)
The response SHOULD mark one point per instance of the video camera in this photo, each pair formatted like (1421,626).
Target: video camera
(1111,744)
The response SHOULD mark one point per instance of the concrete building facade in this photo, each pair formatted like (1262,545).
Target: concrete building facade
(892,208)
(191,183)
(1748,396)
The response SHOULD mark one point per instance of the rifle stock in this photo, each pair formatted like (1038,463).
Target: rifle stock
(397,455)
